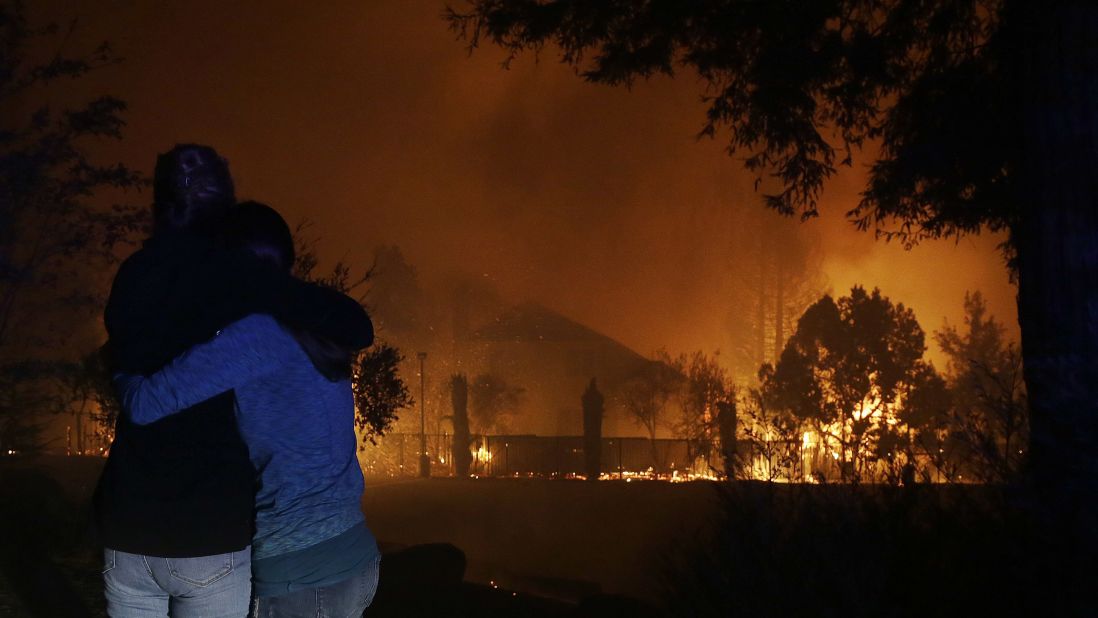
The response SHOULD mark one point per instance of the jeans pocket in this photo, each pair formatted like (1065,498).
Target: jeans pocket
(201,571)
(110,560)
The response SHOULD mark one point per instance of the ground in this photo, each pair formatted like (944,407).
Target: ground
(553,548)
(530,547)
(562,539)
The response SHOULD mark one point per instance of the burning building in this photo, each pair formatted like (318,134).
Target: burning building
(552,358)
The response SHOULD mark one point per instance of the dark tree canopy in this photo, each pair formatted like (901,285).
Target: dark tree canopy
(852,368)
(57,233)
(800,86)
(380,393)
(985,380)
(493,401)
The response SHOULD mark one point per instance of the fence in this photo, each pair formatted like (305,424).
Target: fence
(397,454)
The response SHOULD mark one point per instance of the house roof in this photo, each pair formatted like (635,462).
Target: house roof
(532,322)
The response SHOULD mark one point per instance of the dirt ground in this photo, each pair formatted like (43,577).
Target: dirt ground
(532,547)
(556,538)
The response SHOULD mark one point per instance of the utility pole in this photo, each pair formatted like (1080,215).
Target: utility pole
(424,460)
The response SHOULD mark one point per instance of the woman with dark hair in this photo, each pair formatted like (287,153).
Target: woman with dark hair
(192,189)
(312,554)
(174,503)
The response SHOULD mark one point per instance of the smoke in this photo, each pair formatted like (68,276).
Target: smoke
(371,120)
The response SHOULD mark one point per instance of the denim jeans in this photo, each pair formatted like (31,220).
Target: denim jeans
(347,599)
(137,586)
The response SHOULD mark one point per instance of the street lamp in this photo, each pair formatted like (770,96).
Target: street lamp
(424,460)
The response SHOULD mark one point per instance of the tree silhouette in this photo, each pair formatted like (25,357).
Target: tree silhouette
(645,397)
(395,294)
(777,274)
(380,391)
(989,427)
(774,434)
(494,402)
(850,371)
(55,236)
(982,119)
(705,386)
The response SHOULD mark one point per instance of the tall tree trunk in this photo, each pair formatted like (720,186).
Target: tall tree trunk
(760,318)
(779,306)
(1057,243)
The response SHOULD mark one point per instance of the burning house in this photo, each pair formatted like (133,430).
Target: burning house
(552,358)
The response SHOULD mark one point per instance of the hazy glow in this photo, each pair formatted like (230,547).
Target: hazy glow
(371,120)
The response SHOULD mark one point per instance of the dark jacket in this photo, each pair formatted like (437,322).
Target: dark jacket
(184,486)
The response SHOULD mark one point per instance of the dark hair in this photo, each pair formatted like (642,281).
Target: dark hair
(192,189)
(260,229)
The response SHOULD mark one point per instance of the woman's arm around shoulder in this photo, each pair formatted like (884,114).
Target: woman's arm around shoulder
(247,349)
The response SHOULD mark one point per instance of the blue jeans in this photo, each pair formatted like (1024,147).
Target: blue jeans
(347,599)
(138,586)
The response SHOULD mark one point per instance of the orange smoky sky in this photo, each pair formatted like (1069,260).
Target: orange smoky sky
(370,119)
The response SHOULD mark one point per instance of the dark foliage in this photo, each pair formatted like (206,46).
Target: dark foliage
(848,367)
(55,235)
(844,550)
(380,391)
(380,394)
(646,396)
(988,428)
(800,86)
(704,386)
(774,434)
(494,401)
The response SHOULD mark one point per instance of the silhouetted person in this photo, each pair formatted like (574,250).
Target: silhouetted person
(174,503)
(312,554)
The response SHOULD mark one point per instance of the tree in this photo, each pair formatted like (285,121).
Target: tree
(645,398)
(592,401)
(705,385)
(850,370)
(773,433)
(395,295)
(494,401)
(92,401)
(776,277)
(342,277)
(380,392)
(989,400)
(921,434)
(459,399)
(55,236)
(801,86)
